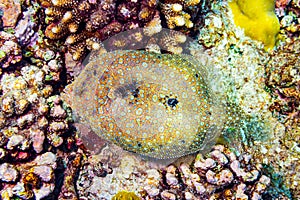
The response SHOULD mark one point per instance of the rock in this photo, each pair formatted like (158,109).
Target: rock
(47,158)
(44,172)
(38,138)
(11,9)
(8,173)
(14,141)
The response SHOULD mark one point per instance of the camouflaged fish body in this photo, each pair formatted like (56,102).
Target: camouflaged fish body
(158,105)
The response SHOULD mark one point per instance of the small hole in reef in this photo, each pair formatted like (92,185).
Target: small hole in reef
(197,75)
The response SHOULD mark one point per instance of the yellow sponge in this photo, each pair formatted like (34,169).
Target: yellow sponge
(258,19)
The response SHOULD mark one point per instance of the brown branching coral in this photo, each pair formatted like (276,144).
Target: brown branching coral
(172,40)
(175,16)
(183,14)
(154,39)
(84,24)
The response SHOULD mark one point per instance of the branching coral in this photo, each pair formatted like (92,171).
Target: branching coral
(184,15)
(84,24)
(154,38)
(175,16)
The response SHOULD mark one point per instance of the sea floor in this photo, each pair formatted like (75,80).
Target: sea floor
(48,151)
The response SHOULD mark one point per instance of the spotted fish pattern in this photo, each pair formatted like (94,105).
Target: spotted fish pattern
(157,105)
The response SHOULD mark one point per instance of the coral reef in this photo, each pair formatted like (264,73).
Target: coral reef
(175,14)
(258,20)
(84,24)
(283,81)
(184,16)
(129,99)
(219,175)
(236,79)
(96,180)
(154,39)
(42,44)
(27,26)
(33,121)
